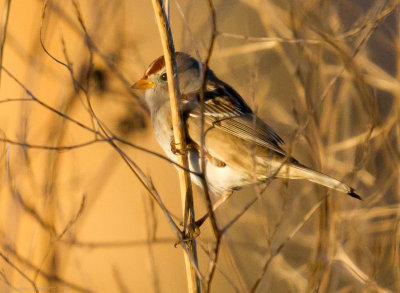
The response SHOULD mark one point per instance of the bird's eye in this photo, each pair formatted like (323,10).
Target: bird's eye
(164,77)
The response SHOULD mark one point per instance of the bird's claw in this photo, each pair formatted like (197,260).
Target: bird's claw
(189,236)
(181,151)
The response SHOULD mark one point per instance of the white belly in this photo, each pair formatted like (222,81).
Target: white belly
(219,179)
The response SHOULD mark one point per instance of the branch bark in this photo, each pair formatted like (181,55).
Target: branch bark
(179,140)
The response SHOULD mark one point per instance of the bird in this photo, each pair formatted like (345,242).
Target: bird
(240,149)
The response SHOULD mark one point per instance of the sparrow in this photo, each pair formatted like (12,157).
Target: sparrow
(240,149)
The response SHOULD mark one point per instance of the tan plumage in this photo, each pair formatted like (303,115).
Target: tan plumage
(241,149)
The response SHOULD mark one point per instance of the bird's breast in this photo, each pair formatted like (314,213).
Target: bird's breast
(162,126)
(220,178)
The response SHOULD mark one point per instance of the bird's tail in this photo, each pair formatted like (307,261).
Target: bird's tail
(297,171)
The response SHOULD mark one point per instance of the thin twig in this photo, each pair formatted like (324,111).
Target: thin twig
(93,47)
(283,244)
(179,139)
(52,148)
(49,276)
(269,39)
(4,24)
(115,244)
(217,234)
(143,179)
(74,219)
(6,259)
(77,123)
(151,229)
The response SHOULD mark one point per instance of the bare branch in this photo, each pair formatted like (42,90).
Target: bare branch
(4,24)
(48,276)
(179,139)
(74,219)
(19,271)
(283,244)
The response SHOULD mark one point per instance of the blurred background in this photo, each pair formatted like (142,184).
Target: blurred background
(74,216)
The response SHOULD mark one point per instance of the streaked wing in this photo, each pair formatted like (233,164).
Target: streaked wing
(225,109)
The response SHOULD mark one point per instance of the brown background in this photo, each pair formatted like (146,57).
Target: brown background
(120,241)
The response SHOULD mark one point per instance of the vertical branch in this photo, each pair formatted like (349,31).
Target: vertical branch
(396,244)
(4,23)
(151,227)
(179,139)
(216,231)
(32,282)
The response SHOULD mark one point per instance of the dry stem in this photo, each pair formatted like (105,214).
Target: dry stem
(179,139)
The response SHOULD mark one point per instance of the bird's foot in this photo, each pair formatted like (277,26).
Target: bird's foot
(179,150)
(190,235)
(217,162)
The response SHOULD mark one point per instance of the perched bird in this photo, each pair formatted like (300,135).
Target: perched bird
(240,149)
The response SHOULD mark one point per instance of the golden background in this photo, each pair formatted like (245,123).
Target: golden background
(78,220)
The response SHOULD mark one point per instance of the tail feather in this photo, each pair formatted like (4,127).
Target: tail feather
(353,194)
(298,171)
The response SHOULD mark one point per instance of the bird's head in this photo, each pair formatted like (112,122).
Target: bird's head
(155,81)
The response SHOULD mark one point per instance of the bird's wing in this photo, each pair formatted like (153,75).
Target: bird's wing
(224,109)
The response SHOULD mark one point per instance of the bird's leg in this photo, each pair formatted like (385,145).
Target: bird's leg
(189,236)
(176,150)
(199,222)
(209,158)
(224,198)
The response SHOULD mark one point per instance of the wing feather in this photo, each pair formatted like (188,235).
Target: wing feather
(225,109)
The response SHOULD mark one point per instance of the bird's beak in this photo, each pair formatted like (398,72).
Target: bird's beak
(143,84)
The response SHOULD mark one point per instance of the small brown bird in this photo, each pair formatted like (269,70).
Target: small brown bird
(240,149)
